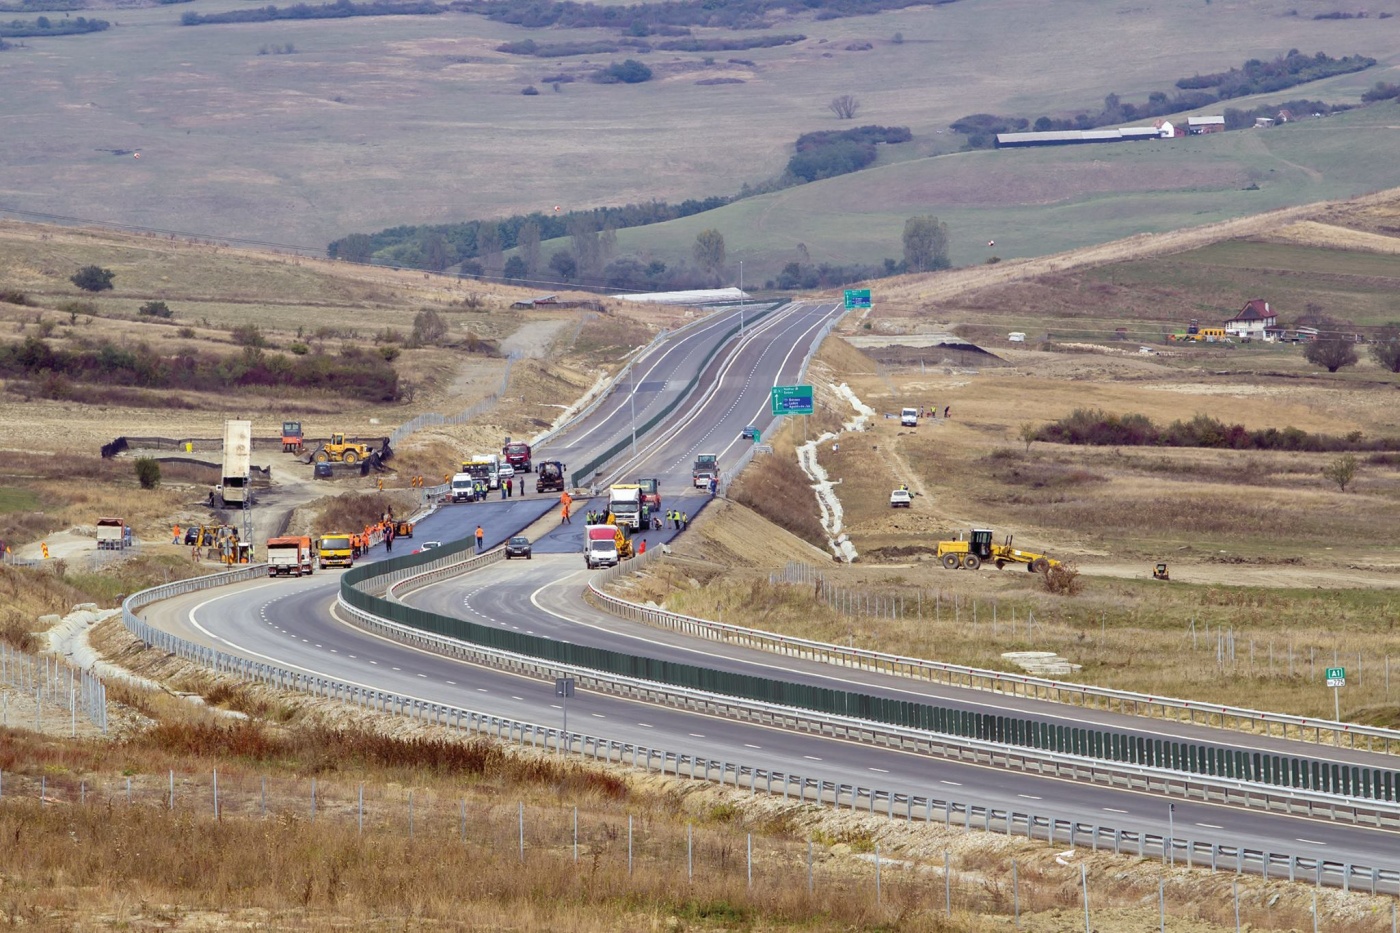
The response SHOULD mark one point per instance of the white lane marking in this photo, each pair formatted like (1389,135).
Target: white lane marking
(881,770)
(556,706)
(1209,826)
(1113,810)
(517,698)
(1028,796)
(696,735)
(482,690)
(374,662)
(1312,842)
(453,682)
(747,745)
(951,783)
(424,676)
(646,725)
(811,757)
(598,716)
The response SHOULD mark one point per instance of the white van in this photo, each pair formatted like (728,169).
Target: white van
(909,418)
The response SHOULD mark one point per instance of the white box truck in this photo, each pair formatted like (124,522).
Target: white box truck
(234,487)
(625,503)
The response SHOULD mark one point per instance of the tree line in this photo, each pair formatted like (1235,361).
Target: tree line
(1095,427)
(341,9)
(1254,77)
(43,26)
(351,373)
(829,153)
(641,18)
(606,47)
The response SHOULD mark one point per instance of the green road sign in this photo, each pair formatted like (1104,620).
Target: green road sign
(1336,677)
(857,298)
(792,400)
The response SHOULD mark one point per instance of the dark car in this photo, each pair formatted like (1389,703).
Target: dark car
(519,546)
(751,433)
(322,471)
(191,535)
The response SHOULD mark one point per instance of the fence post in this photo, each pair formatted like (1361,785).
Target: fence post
(1015,894)
(521,822)
(629,845)
(947,886)
(1084,881)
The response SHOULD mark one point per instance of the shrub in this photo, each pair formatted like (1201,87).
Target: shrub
(147,473)
(530,91)
(185,333)
(1063,579)
(1341,471)
(429,328)
(156,309)
(299,348)
(248,335)
(93,278)
(630,71)
(14,297)
(389,352)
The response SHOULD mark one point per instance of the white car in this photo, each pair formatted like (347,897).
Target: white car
(900,499)
(506,472)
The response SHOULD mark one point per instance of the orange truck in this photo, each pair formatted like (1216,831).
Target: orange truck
(291,555)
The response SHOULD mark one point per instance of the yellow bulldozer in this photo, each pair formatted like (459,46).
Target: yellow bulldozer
(979,549)
(336,450)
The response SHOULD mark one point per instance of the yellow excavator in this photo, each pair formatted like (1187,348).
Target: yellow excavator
(978,549)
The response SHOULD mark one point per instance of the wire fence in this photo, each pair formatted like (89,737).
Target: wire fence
(433,419)
(47,693)
(636,850)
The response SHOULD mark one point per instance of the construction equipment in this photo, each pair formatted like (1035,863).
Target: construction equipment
(335,549)
(625,503)
(705,470)
(979,549)
(550,476)
(236,475)
(517,454)
(337,450)
(1160,572)
(291,437)
(651,494)
(113,534)
(289,554)
(403,529)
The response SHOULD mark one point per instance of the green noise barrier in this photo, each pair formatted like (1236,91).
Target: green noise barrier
(1219,761)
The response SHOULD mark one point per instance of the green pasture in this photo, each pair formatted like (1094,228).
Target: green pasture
(374,122)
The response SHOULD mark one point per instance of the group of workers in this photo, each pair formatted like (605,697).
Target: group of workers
(383,530)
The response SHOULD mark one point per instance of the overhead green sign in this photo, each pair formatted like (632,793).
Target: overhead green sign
(857,298)
(792,400)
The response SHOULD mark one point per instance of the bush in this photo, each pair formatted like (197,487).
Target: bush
(389,352)
(248,335)
(298,348)
(156,309)
(185,333)
(530,91)
(14,297)
(630,71)
(147,473)
(429,328)
(1063,579)
(93,278)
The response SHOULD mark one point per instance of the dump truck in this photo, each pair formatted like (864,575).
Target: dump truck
(651,494)
(339,450)
(290,555)
(335,550)
(550,477)
(292,437)
(517,454)
(113,534)
(625,503)
(706,468)
(234,489)
(979,549)
(484,469)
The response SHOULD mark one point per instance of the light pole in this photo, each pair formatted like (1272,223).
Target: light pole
(1171,832)
(741,297)
(632,401)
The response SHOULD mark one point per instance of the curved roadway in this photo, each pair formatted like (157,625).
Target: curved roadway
(293,623)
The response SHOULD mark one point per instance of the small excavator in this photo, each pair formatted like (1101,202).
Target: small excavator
(1160,572)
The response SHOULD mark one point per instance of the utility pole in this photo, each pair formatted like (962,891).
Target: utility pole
(741,297)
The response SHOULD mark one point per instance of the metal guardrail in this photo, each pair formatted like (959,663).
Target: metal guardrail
(820,791)
(577,477)
(1016,685)
(1151,779)
(889,803)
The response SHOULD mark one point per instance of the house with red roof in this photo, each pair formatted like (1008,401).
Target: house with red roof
(1253,321)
